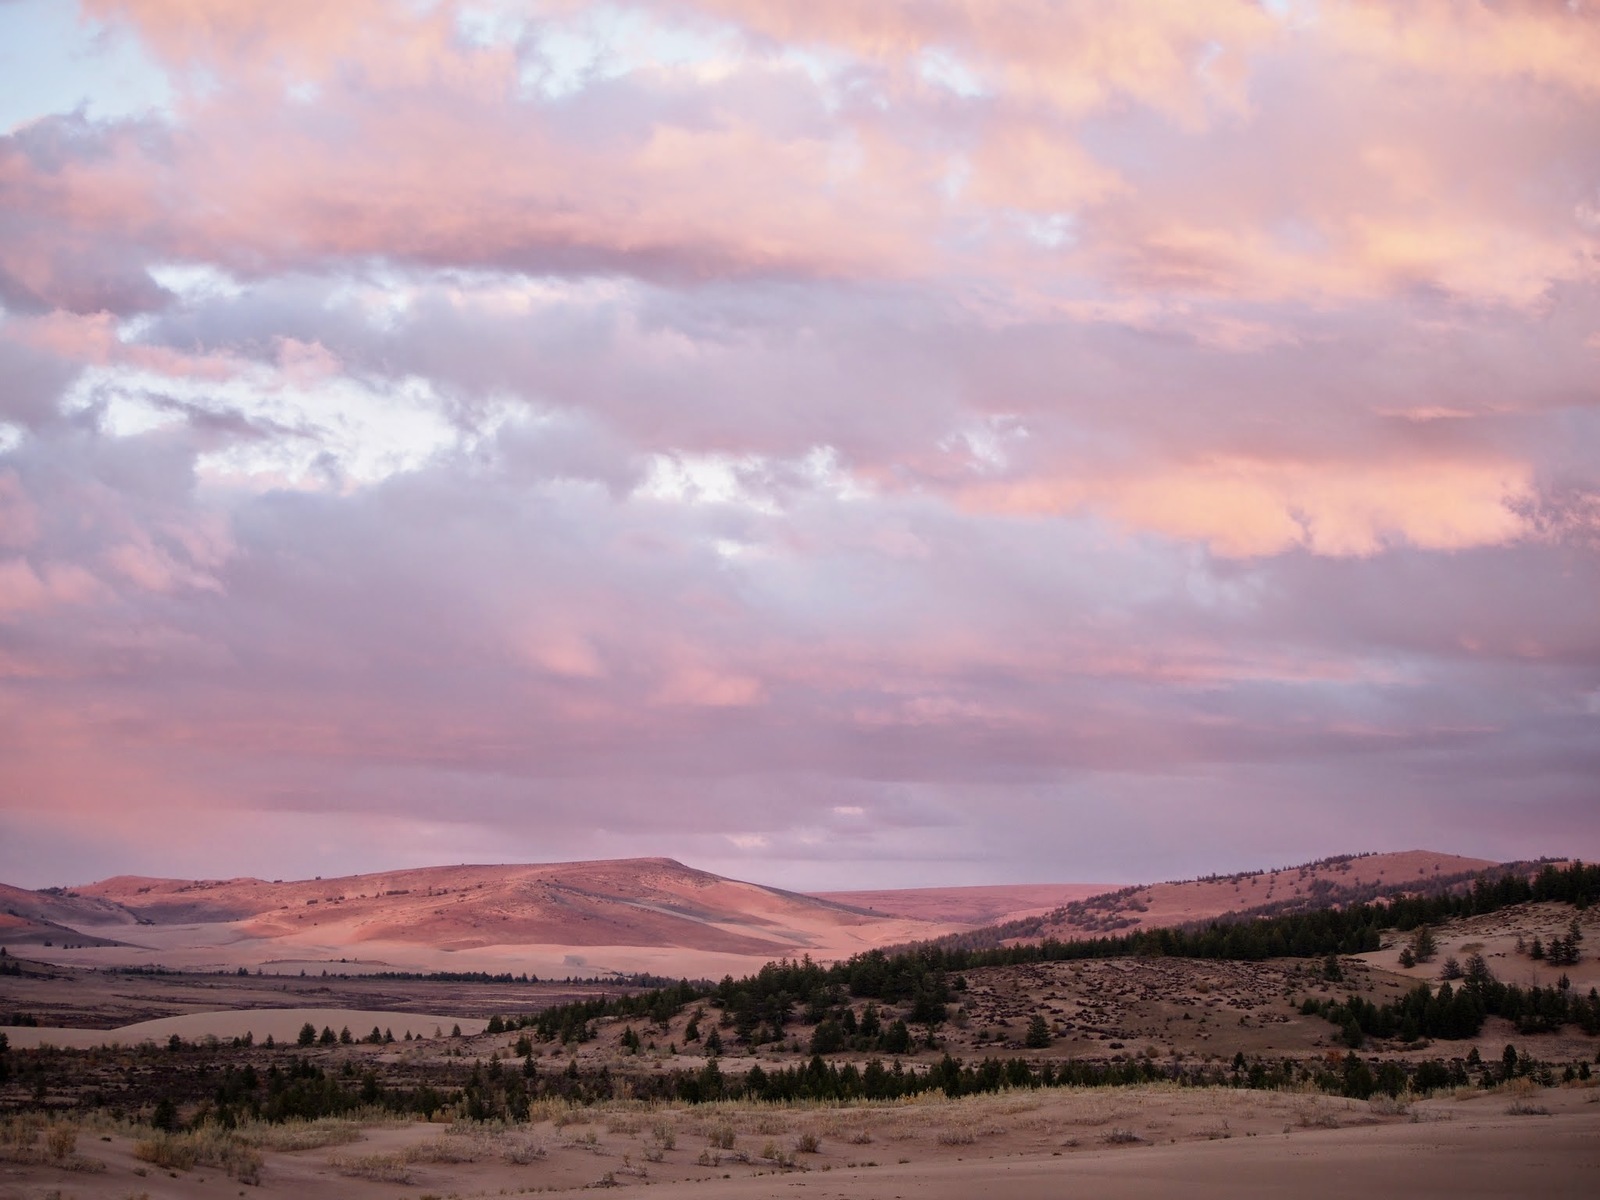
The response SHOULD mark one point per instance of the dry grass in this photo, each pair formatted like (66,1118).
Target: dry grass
(19,1144)
(300,1135)
(1316,1114)
(210,1146)
(446,1149)
(378,1168)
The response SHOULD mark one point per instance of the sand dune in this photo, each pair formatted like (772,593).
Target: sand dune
(283,1024)
(1492,1156)
(1136,1142)
(624,902)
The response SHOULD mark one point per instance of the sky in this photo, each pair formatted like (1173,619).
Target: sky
(832,444)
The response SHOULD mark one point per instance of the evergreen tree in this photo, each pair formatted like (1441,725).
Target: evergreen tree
(308,1034)
(1038,1037)
(1423,944)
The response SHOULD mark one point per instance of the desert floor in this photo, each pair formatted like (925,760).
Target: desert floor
(1125,1142)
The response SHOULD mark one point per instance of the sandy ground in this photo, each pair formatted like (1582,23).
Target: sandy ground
(1124,1142)
(283,1024)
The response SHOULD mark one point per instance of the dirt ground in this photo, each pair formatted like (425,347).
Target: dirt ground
(1125,1142)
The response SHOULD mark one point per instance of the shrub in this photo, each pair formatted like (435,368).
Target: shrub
(62,1141)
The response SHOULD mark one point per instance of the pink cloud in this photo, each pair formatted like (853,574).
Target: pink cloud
(1017,426)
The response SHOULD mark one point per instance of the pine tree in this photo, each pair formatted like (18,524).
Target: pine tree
(166,1114)
(1038,1037)
(1423,945)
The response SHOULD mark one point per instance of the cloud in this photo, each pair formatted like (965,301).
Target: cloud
(980,440)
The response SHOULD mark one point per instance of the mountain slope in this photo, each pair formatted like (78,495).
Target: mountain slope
(1343,879)
(621,902)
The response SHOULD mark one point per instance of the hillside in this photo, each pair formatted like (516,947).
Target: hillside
(979,905)
(649,902)
(1343,879)
(624,916)
(54,918)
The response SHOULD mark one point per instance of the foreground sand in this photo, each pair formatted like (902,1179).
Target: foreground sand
(1126,1142)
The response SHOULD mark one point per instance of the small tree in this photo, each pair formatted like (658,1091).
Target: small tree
(1423,944)
(166,1114)
(1451,970)
(328,1037)
(827,1037)
(1407,958)
(1038,1037)
(897,1040)
(308,1034)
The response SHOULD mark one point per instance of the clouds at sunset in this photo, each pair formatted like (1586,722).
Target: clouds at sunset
(984,440)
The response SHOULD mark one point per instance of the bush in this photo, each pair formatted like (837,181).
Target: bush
(61,1141)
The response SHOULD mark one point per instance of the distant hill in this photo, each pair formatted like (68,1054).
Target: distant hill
(1342,879)
(52,916)
(613,902)
(641,914)
(979,905)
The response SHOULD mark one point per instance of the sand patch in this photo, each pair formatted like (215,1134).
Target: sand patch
(283,1024)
